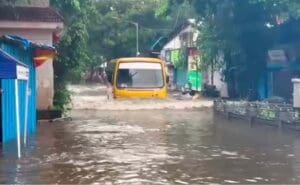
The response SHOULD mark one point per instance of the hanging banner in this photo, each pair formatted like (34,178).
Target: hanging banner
(43,55)
(277,57)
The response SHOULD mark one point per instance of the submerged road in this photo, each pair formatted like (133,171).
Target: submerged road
(154,147)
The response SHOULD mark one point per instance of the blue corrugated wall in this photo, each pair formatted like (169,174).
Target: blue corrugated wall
(181,76)
(8,97)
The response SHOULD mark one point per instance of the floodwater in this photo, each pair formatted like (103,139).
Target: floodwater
(154,147)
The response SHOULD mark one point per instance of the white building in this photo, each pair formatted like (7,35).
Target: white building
(186,36)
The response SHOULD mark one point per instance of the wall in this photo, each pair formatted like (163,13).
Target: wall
(217,79)
(45,73)
(8,97)
(33,3)
(175,43)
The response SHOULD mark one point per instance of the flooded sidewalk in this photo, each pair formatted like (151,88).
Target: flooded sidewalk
(94,97)
(153,147)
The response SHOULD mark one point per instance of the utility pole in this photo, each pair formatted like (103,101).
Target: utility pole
(136,24)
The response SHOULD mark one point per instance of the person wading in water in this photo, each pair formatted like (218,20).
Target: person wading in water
(104,78)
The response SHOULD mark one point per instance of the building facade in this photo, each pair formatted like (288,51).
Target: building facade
(183,59)
(36,21)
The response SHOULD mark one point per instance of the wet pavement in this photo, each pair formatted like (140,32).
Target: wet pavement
(154,147)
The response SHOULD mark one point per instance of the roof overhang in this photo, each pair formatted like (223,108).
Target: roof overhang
(31,25)
(41,53)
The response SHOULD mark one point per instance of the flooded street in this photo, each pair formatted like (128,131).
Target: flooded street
(154,147)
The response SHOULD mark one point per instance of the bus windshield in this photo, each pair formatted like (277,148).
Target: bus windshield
(140,75)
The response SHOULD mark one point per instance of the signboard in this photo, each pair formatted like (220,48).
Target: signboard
(22,73)
(277,56)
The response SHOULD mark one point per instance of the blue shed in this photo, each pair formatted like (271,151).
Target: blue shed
(18,87)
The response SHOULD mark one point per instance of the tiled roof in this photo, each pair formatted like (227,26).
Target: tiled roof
(29,14)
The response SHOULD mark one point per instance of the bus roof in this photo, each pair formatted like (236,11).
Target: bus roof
(140,59)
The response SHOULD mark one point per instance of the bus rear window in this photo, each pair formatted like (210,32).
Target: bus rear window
(140,75)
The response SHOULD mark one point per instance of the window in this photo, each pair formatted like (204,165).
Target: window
(140,75)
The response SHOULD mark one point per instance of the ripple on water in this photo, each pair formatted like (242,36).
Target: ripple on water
(231,181)
(230,153)
(251,180)
(181,182)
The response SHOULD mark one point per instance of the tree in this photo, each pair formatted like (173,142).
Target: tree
(113,35)
(98,31)
(242,31)
(73,48)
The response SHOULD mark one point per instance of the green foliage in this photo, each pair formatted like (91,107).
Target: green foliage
(98,31)
(62,98)
(164,9)
(179,57)
(237,34)
(73,48)
(113,34)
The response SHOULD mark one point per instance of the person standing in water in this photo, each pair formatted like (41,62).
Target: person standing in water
(106,81)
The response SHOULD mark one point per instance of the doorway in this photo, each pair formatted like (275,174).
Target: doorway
(282,85)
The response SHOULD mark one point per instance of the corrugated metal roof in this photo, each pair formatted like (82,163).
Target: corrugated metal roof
(24,43)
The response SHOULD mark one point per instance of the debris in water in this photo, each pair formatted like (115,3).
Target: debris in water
(229,153)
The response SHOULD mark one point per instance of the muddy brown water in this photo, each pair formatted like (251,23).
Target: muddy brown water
(154,147)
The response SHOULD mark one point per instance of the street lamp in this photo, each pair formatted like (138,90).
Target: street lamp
(137,37)
(137,34)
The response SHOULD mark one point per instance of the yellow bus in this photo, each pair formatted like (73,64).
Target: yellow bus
(139,78)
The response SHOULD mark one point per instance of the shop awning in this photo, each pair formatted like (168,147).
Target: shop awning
(10,68)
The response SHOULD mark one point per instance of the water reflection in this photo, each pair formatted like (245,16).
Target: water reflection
(153,147)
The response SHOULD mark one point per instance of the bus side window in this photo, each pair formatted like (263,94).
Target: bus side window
(124,77)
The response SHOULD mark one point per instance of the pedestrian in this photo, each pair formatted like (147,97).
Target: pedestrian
(109,88)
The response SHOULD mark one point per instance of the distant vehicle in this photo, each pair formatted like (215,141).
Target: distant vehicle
(142,78)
